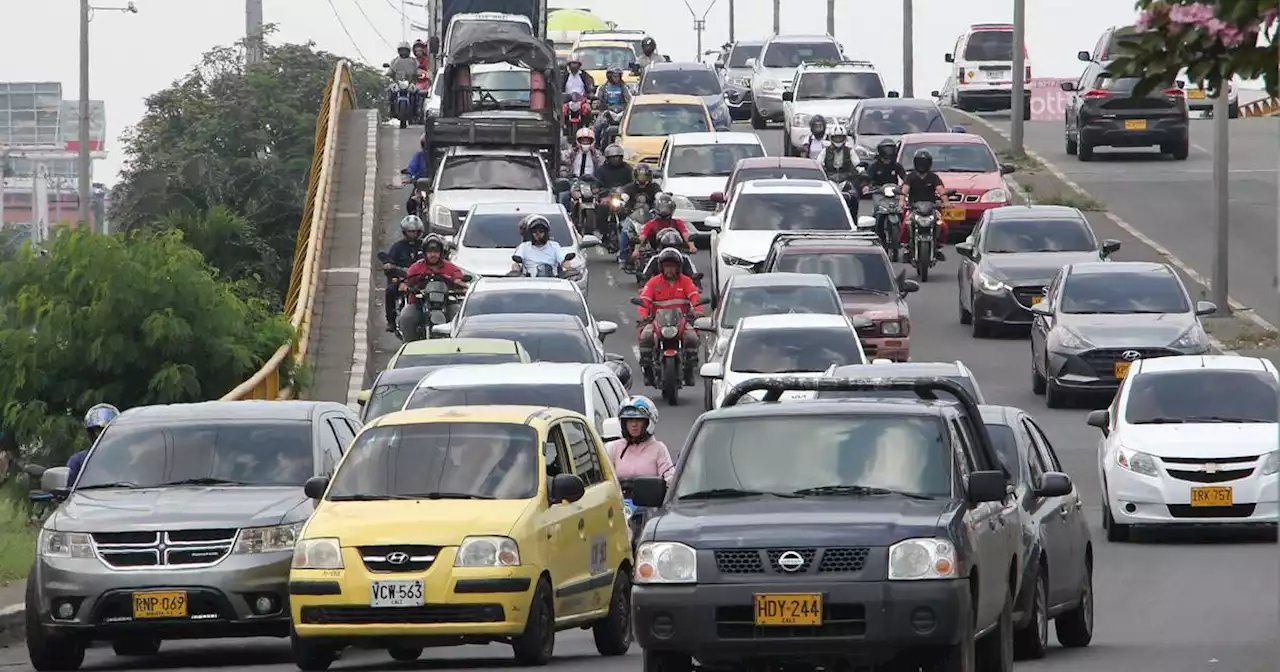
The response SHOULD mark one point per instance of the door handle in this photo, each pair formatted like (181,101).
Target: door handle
(1065,510)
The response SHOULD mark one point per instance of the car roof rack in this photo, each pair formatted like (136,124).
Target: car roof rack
(979,26)
(833,63)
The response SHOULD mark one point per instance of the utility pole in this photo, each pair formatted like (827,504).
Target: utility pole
(699,24)
(1221,208)
(4,175)
(40,205)
(831,18)
(908,50)
(252,32)
(84,171)
(777,17)
(732,21)
(1019,77)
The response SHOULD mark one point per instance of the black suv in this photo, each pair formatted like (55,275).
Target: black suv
(851,531)
(1104,112)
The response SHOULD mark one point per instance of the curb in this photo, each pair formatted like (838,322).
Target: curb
(1238,309)
(364,281)
(12,624)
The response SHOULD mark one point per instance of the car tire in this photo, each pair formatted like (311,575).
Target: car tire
(667,661)
(1233,110)
(1075,627)
(966,317)
(405,654)
(1054,396)
(613,632)
(1117,533)
(1179,150)
(1084,149)
(708,397)
(994,653)
(1031,641)
(1037,380)
(758,122)
(311,655)
(136,646)
(1073,147)
(537,644)
(982,329)
(47,652)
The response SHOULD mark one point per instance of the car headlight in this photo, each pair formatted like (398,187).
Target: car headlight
(629,154)
(770,85)
(891,328)
(995,196)
(1138,463)
(666,562)
(318,553)
(921,559)
(863,152)
(669,332)
(1192,339)
(800,120)
(270,539)
(1065,339)
(991,283)
(442,217)
(55,544)
(1271,464)
(488,552)
(682,202)
(737,261)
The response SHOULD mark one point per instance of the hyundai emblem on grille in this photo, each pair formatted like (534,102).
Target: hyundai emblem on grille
(791,561)
(397,558)
(1131,355)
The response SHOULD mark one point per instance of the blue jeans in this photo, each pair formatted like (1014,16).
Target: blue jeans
(566,199)
(624,241)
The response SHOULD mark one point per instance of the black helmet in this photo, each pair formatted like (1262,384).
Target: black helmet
(817,124)
(887,148)
(433,241)
(648,44)
(922,161)
(669,237)
(664,206)
(670,255)
(642,170)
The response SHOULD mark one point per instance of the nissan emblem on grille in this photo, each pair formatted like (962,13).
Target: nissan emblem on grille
(1131,355)
(398,558)
(791,561)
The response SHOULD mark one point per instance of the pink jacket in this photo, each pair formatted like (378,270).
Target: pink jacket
(640,460)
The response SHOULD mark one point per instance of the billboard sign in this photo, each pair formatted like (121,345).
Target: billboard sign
(1048,101)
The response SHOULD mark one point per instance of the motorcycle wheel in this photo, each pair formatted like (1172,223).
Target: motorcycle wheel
(671,380)
(924,259)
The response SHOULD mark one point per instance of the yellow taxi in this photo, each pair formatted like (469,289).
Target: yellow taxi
(598,56)
(463,525)
(651,118)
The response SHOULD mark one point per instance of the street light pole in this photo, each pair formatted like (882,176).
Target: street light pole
(1019,77)
(1221,204)
(84,173)
(253,32)
(732,21)
(831,18)
(777,17)
(908,50)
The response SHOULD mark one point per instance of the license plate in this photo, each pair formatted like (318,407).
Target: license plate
(1197,94)
(169,604)
(1036,299)
(953,214)
(1211,497)
(435,297)
(1122,369)
(1135,124)
(788,609)
(400,593)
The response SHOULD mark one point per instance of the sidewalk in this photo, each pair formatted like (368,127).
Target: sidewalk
(12,613)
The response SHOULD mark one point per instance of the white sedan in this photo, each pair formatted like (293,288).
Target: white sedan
(491,233)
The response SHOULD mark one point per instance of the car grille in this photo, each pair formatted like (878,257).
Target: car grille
(181,548)
(838,620)
(431,613)
(1025,294)
(1188,511)
(703,204)
(1103,361)
(398,559)
(202,605)
(762,561)
(1222,469)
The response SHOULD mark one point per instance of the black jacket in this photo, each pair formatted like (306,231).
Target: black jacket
(880,173)
(403,253)
(613,177)
(650,191)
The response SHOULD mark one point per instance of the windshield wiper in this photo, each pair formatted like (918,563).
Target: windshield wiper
(104,486)
(1221,418)
(1159,421)
(202,481)
(445,495)
(861,288)
(856,491)
(366,498)
(731,493)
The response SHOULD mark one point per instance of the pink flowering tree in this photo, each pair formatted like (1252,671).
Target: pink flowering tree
(1215,41)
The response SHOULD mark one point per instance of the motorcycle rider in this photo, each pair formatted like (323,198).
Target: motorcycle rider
(612,95)
(421,53)
(582,161)
(539,249)
(817,141)
(433,262)
(631,227)
(402,255)
(95,422)
(664,210)
(576,80)
(922,185)
(669,285)
(639,454)
(885,170)
(649,54)
(403,67)
(416,170)
(839,164)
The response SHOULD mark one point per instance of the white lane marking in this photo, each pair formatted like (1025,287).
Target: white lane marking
(635,350)
(364,283)
(1240,309)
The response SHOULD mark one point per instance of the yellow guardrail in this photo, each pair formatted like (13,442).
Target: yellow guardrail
(300,300)
(1267,107)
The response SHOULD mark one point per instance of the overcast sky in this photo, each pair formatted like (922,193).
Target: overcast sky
(135,55)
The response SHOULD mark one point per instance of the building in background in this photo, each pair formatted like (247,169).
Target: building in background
(39,146)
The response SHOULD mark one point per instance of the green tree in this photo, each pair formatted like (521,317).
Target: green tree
(1215,42)
(129,319)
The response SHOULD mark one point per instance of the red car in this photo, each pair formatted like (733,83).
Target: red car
(966,164)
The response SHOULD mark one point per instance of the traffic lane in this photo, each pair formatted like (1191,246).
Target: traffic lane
(395,147)
(1172,201)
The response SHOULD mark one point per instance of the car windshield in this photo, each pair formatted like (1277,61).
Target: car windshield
(543,345)
(851,271)
(742,53)
(386,399)
(505,86)
(666,119)
(956,157)
(777,300)
(1201,395)
(709,160)
(794,350)
(989,45)
(456,359)
(540,301)
(900,120)
(502,231)
(789,212)
(1006,446)
(560,396)
(1118,293)
(817,455)
(686,82)
(792,54)
(603,58)
(1116,44)
(440,460)
(235,452)
(791,173)
(839,86)
(516,173)
(1003,236)
(969,384)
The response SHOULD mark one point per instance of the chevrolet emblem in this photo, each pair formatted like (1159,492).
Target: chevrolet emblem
(1210,468)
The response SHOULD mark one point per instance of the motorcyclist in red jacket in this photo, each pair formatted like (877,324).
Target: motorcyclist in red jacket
(664,209)
(433,262)
(671,285)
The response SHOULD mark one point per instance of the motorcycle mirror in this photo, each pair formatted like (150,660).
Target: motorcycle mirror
(637,301)
(386,65)
(717,197)
(571,256)
(467,277)
(517,258)
(935,94)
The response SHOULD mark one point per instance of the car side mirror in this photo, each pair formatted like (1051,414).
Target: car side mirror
(712,371)
(1101,419)
(1069,87)
(35,471)
(1181,84)
(865,223)
(386,65)
(949,58)
(1205,308)
(965,249)
(1084,56)
(788,96)
(987,486)
(605,327)
(717,197)
(54,480)
(590,241)
(1054,484)
(719,65)
(363,397)
(315,486)
(750,64)
(565,488)
(467,277)
(703,324)
(1110,247)
(1041,308)
(935,94)
(636,301)
(895,94)
(1007,168)
(908,287)
(441,329)
(649,492)
(611,429)
(713,222)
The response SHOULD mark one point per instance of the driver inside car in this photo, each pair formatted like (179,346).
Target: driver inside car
(539,250)
(432,263)
(670,285)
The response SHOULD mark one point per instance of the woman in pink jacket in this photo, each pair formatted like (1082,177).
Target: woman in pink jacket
(638,454)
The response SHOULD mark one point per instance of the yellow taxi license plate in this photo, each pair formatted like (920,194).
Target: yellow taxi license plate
(789,609)
(1210,497)
(1036,299)
(1197,94)
(1135,124)
(953,214)
(170,604)
(1122,369)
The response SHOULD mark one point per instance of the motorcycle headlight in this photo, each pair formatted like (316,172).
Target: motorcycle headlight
(991,283)
(995,196)
(1065,339)
(736,261)
(1271,464)
(1138,463)
(269,539)
(488,552)
(890,191)
(442,217)
(800,120)
(666,562)
(1193,339)
(669,332)
(922,559)
(55,544)
(319,553)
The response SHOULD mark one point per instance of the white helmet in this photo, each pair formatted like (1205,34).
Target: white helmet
(837,135)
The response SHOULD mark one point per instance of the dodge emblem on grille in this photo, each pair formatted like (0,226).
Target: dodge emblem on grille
(791,561)
(1131,355)
(397,558)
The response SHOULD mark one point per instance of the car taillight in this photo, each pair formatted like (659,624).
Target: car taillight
(1028,73)
(1174,92)
(1097,93)
(960,75)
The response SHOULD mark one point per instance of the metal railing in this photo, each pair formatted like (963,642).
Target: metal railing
(300,299)
(1267,107)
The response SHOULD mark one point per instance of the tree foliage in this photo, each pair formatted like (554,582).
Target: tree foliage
(128,319)
(1215,41)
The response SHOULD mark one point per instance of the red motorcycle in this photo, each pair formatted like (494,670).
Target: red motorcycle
(670,321)
(424,82)
(577,114)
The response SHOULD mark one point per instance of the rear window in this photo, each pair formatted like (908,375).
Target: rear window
(777,300)
(989,45)
(456,359)
(687,82)
(851,271)
(955,157)
(900,120)
(969,384)
(1115,46)
(543,345)
(661,120)
(560,396)
(707,160)
(502,231)
(839,86)
(774,351)
(742,53)
(748,174)
(792,54)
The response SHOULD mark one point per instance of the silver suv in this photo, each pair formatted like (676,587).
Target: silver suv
(180,525)
(772,73)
